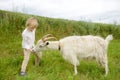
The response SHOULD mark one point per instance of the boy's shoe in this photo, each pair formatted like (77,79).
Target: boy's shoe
(22,73)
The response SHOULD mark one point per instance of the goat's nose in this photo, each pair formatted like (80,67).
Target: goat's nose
(33,50)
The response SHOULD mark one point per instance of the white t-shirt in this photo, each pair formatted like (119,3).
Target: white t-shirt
(28,38)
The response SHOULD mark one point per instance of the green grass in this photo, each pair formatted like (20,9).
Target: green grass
(52,65)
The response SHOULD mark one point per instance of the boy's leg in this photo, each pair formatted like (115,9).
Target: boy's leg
(25,61)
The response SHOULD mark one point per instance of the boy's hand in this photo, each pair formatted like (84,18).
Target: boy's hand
(31,50)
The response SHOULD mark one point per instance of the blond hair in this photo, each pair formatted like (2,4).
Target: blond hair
(31,23)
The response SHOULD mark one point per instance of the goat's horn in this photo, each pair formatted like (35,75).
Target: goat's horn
(47,35)
(50,38)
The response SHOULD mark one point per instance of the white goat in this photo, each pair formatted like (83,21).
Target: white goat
(75,48)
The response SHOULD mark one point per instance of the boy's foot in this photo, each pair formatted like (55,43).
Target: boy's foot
(22,73)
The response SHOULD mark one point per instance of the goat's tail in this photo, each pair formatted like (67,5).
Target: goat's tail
(109,38)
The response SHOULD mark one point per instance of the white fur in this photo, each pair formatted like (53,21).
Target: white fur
(75,48)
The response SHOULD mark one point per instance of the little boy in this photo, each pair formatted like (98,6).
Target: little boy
(28,38)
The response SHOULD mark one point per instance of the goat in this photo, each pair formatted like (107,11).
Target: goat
(75,48)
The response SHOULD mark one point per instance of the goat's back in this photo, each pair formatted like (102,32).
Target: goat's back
(83,44)
(80,40)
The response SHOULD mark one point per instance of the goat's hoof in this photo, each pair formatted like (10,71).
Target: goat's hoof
(22,73)
(105,75)
(75,74)
(36,64)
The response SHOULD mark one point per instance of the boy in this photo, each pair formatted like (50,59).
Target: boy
(28,38)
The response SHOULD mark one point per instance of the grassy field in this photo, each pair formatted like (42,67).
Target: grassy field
(52,65)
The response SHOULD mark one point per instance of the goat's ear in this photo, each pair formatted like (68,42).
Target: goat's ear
(47,43)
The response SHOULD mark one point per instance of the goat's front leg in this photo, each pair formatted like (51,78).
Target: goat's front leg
(75,70)
(37,61)
(38,57)
(75,62)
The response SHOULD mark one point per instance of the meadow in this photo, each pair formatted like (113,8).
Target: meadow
(52,65)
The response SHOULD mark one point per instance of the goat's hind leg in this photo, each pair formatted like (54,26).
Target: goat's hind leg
(104,62)
(106,65)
